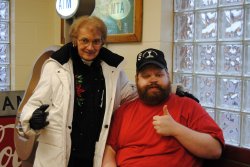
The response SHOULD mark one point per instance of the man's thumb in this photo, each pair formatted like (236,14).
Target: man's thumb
(165,110)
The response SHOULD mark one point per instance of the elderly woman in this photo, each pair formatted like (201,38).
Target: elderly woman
(80,86)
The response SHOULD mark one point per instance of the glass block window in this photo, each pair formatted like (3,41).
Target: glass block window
(4,45)
(212,60)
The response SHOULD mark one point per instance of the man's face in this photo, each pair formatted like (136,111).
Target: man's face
(89,43)
(153,84)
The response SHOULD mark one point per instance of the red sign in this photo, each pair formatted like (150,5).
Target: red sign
(8,155)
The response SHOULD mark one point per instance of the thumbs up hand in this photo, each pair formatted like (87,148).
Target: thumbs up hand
(164,124)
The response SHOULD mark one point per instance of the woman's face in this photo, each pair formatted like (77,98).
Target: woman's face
(89,43)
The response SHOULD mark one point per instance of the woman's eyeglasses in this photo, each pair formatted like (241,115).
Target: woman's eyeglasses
(86,42)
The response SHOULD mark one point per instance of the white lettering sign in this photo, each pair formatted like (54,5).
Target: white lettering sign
(7,154)
(66,8)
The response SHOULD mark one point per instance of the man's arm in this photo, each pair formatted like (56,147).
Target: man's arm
(109,157)
(200,144)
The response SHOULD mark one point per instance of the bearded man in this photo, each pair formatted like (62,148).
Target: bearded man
(160,128)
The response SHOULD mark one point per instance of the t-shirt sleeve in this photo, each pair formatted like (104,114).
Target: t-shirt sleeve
(208,125)
(201,121)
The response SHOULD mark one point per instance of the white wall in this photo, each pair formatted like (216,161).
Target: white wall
(34,26)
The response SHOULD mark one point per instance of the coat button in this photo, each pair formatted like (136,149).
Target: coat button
(106,126)
(69,127)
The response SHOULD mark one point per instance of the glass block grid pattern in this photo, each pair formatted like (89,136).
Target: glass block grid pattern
(212,60)
(4,45)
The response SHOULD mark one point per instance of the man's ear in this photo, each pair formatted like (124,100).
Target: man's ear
(136,77)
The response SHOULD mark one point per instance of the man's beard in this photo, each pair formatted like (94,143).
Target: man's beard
(154,98)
